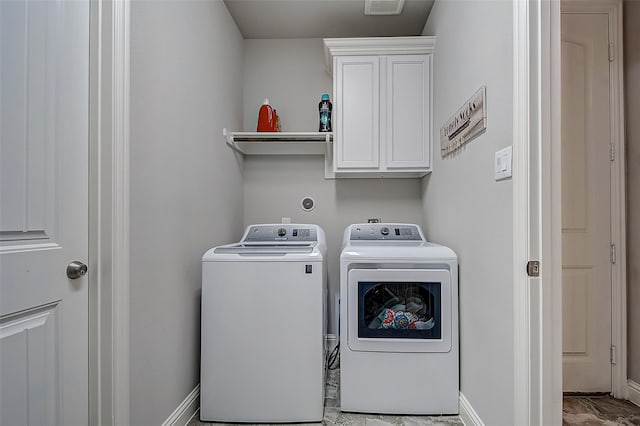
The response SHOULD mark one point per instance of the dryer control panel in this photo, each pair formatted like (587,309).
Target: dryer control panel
(385,231)
(281,232)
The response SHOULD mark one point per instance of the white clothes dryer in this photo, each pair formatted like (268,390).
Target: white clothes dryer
(263,326)
(399,351)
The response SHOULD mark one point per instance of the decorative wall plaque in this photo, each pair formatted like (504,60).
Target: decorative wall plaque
(467,123)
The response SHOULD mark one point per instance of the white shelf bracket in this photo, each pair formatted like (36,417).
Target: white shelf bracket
(228,137)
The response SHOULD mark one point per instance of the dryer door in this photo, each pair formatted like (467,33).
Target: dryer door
(399,310)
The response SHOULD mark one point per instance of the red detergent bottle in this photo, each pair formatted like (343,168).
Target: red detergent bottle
(266,118)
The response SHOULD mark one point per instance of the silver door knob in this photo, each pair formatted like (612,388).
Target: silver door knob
(76,269)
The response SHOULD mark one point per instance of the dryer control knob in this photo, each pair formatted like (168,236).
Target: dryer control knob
(384,231)
(282,232)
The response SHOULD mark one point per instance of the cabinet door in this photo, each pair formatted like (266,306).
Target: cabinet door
(356,132)
(408,110)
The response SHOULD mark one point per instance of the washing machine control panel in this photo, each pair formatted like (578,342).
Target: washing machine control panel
(385,231)
(283,232)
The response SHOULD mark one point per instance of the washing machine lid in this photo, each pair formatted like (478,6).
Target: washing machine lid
(267,248)
(274,242)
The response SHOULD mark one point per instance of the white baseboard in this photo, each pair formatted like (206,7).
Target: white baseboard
(186,410)
(467,414)
(634,392)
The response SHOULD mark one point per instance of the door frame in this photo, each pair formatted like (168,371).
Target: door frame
(536,157)
(537,208)
(109,213)
(536,186)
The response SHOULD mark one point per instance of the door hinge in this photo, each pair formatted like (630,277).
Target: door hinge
(533,268)
(612,152)
(612,253)
(611,52)
(614,355)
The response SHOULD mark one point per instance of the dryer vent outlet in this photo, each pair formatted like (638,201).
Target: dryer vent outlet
(308,204)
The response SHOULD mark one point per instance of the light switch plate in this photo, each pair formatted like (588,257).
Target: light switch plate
(503,163)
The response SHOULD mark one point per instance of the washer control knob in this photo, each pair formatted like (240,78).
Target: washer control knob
(282,232)
(384,230)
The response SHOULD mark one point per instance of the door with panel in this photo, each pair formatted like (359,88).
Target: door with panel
(408,115)
(357,110)
(44,125)
(586,205)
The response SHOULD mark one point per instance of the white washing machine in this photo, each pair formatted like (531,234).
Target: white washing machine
(263,327)
(398,322)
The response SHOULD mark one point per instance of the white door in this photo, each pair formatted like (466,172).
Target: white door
(44,115)
(586,235)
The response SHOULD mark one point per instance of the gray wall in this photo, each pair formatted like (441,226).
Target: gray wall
(186,187)
(632,82)
(465,208)
(293,75)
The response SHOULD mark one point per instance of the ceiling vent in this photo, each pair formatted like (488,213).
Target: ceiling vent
(383,7)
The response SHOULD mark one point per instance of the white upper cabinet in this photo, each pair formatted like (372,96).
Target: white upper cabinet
(382,105)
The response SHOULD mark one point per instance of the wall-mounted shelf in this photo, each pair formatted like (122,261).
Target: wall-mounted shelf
(279,143)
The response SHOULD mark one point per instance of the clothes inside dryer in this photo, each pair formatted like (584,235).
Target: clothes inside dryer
(399,310)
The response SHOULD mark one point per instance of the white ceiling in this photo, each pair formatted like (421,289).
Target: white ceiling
(324,18)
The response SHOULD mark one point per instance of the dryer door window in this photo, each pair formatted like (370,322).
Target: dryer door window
(404,310)
(399,310)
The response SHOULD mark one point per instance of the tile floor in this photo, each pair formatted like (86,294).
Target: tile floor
(576,411)
(333,415)
(598,410)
